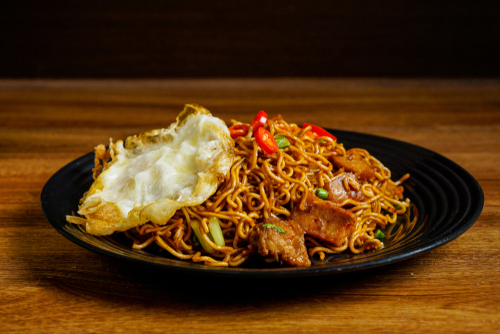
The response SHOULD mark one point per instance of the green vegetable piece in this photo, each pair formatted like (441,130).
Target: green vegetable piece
(322,193)
(379,235)
(196,240)
(195,225)
(385,212)
(282,142)
(216,231)
(274,227)
(397,207)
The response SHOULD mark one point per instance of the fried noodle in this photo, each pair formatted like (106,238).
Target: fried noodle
(262,185)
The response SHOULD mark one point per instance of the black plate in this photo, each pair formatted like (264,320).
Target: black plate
(448,199)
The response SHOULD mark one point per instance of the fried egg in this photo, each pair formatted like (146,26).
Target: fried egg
(150,176)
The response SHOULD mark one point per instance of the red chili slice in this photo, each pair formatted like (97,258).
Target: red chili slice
(259,120)
(238,130)
(319,131)
(266,141)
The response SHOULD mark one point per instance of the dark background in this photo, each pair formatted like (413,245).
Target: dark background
(154,39)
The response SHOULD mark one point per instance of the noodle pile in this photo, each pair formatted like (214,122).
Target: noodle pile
(262,185)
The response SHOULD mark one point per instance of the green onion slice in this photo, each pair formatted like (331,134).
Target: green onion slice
(274,227)
(379,235)
(397,207)
(195,225)
(322,193)
(196,240)
(282,142)
(216,231)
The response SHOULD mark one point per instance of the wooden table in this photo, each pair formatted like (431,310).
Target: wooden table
(49,284)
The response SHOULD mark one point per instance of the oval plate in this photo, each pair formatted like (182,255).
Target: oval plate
(448,199)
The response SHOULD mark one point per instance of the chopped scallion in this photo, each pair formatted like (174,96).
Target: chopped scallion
(215,231)
(282,142)
(274,227)
(379,235)
(195,225)
(322,193)
(196,241)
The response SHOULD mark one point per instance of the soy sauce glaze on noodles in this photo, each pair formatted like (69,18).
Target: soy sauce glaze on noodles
(265,187)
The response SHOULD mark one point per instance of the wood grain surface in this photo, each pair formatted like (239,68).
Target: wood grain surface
(49,284)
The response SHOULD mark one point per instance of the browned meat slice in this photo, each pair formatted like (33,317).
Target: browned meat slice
(323,220)
(288,248)
(337,192)
(353,162)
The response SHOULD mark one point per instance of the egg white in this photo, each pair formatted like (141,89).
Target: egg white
(155,174)
(161,171)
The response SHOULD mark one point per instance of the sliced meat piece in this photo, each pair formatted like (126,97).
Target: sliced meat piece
(323,220)
(353,162)
(337,192)
(288,248)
